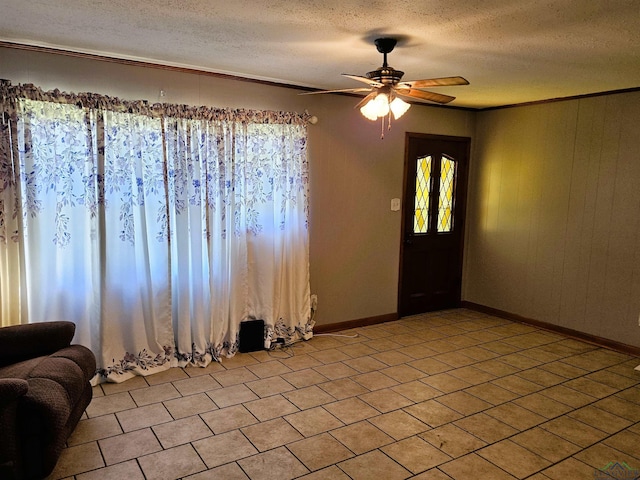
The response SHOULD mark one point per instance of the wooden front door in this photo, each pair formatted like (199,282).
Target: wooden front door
(435,187)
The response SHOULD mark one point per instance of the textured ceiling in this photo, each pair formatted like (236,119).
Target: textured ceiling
(511,52)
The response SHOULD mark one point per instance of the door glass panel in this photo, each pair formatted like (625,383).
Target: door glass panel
(423,190)
(445,204)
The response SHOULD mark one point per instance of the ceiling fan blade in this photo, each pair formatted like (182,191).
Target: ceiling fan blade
(360,78)
(344,90)
(366,99)
(419,94)
(437,82)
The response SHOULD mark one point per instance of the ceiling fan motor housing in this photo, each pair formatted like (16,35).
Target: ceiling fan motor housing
(386,75)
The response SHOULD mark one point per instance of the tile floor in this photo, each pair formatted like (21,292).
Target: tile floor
(451,395)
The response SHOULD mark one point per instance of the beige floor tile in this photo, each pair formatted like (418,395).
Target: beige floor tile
(473,466)
(335,371)
(399,424)
(361,437)
(181,431)
(371,465)
(517,385)
(383,344)
(620,407)
(269,369)
(519,361)
(171,464)
(516,416)
(239,360)
(452,440)
(365,364)
(403,373)
(229,418)
(343,388)
(234,395)
(590,387)
(319,451)
(472,375)
(308,397)
(329,473)
(455,359)
(78,459)
(351,410)
(278,464)
(357,350)
(385,400)
(491,393)
(564,369)
(568,396)
(131,384)
(324,342)
(417,352)
(430,366)
(193,385)
(626,442)
(274,433)
(574,431)
(127,470)
(545,406)
(300,362)
(393,357)
(157,393)
(497,368)
(416,391)
(230,471)
(94,429)
(600,419)
(433,474)
(613,380)
(236,376)
(630,394)
(445,382)
(599,455)
(191,405)
(485,427)
(313,421)
(569,468)
(110,404)
(128,446)
(270,407)
(224,448)
(542,377)
(304,378)
(415,454)
(546,444)
(514,459)
(374,380)
(143,417)
(464,403)
(329,356)
(433,413)
(269,386)
(169,375)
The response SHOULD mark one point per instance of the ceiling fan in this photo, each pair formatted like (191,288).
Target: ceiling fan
(385,88)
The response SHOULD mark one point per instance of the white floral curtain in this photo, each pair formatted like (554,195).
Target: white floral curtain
(156,229)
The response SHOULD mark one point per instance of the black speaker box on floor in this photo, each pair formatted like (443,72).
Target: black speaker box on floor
(251,336)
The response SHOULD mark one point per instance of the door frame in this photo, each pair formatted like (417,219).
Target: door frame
(461,190)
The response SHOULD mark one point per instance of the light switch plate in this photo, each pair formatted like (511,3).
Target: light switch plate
(395,204)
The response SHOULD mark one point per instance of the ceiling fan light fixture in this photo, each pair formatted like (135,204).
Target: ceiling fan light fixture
(398,107)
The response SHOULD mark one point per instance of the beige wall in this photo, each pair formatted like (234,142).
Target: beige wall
(553,225)
(354,237)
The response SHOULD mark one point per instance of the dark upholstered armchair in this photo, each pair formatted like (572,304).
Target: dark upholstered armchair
(44,389)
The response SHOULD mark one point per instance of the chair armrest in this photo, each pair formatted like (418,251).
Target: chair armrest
(11,389)
(21,342)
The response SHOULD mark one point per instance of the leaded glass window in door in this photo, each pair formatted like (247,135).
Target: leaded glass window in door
(423,193)
(445,203)
(434,179)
